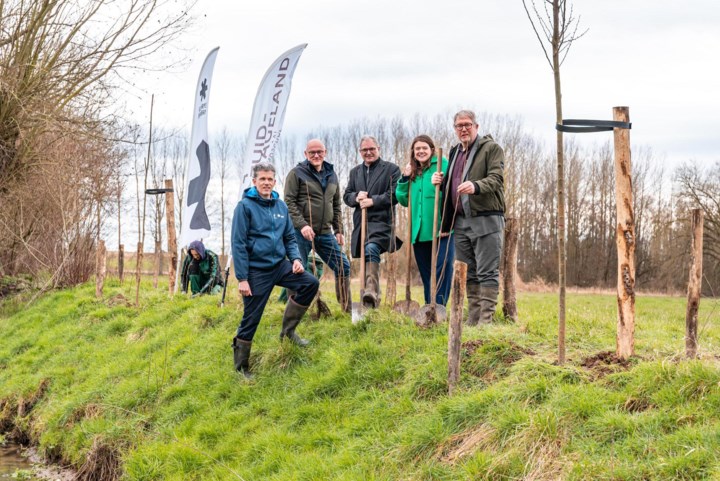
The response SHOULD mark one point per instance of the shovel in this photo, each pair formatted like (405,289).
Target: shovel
(432,313)
(408,307)
(358,308)
(322,309)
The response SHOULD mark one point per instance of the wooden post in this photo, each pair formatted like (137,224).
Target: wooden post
(156,263)
(391,284)
(455,325)
(138,269)
(121,262)
(694,285)
(172,239)
(625,238)
(100,268)
(509,269)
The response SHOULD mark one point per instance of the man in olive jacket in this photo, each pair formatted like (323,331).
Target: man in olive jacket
(474,205)
(312,194)
(371,186)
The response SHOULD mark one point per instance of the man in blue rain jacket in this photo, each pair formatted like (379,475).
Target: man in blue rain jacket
(265,254)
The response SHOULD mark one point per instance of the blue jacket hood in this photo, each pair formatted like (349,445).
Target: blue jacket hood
(252,193)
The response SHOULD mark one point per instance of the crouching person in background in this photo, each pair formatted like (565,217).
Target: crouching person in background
(201,271)
(265,254)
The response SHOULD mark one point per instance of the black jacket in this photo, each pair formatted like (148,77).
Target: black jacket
(383,179)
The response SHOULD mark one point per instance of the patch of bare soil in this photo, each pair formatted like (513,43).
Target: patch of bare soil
(604,363)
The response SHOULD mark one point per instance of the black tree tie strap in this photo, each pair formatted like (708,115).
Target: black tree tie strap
(583,125)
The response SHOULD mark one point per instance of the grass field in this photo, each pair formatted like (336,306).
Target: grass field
(150,393)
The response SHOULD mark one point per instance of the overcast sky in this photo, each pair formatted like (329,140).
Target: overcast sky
(388,57)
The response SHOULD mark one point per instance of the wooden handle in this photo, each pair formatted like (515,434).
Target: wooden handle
(409,243)
(433,269)
(363,232)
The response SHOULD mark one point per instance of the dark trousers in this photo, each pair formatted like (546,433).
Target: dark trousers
(328,249)
(481,253)
(261,285)
(446,255)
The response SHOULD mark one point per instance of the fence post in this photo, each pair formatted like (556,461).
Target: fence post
(625,237)
(100,268)
(172,240)
(455,324)
(694,285)
(121,262)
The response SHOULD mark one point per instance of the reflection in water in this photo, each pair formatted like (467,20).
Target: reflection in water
(11,461)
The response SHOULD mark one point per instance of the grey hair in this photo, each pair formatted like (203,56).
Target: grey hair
(262,167)
(370,137)
(466,113)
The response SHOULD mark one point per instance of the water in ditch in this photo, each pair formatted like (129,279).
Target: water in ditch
(11,462)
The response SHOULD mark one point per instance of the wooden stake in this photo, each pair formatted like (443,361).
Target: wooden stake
(171,235)
(100,268)
(694,285)
(509,269)
(455,325)
(121,262)
(156,263)
(625,238)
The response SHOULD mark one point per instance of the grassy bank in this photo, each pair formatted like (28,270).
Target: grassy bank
(150,393)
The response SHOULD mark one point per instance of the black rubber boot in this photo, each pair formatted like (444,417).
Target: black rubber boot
(241,356)
(488,302)
(293,314)
(474,305)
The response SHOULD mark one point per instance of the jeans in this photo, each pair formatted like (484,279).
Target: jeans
(327,247)
(372,252)
(444,266)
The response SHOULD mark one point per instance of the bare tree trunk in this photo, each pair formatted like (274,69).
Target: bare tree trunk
(172,236)
(142,225)
(121,262)
(100,268)
(509,269)
(694,285)
(121,247)
(455,325)
(624,238)
(138,269)
(562,257)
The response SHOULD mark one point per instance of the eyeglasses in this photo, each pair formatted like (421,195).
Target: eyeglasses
(368,150)
(460,127)
(313,153)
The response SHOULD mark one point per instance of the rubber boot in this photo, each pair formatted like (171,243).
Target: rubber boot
(371,297)
(241,356)
(488,301)
(342,292)
(474,306)
(293,314)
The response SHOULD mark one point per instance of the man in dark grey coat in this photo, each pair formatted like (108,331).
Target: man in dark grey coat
(474,205)
(371,186)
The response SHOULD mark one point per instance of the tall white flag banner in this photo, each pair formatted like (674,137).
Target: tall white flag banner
(269,112)
(196,224)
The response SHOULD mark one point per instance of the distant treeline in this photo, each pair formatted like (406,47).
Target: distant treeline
(663,199)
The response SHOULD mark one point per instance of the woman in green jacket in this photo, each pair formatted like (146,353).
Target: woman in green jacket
(416,176)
